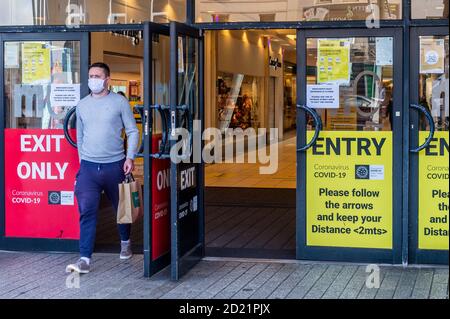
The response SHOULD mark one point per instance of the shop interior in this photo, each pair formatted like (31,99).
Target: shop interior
(125,57)
(124,53)
(250,84)
(267,95)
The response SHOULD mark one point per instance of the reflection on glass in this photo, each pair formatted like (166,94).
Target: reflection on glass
(433,80)
(294,10)
(237,101)
(188,76)
(355,76)
(34,72)
(78,12)
(160,77)
(429,9)
(290,96)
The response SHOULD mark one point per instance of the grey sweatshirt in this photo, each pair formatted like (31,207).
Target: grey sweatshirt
(100,122)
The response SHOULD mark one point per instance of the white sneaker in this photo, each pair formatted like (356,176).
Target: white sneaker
(125,251)
(81,267)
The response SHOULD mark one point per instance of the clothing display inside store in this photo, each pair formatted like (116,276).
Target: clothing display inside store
(237,101)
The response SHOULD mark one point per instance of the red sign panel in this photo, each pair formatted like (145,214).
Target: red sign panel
(40,169)
(161,203)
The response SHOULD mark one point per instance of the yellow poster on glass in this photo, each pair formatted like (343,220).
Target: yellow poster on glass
(349,190)
(35,63)
(434,192)
(333,61)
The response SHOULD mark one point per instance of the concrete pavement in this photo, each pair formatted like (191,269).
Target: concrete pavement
(42,275)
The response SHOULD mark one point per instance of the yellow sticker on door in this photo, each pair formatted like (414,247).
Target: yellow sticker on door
(349,190)
(434,192)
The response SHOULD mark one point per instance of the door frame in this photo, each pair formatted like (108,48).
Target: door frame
(81,33)
(181,264)
(151,267)
(392,256)
(416,255)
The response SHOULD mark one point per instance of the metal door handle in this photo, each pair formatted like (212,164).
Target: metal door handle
(162,111)
(67,121)
(432,127)
(168,125)
(317,129)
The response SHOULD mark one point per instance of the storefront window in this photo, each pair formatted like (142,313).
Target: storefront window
(78,12)
(429,9)
(294,10)
(42,81)
(237,101)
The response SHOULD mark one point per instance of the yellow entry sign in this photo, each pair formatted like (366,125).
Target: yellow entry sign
(349,190)
(434,192)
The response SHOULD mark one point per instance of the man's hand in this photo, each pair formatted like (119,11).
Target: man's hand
(128,166)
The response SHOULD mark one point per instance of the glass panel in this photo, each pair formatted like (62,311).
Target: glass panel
(187,74)
(429,9)
(42,82)
(290,96)
(188,170)
(161,77)
(433,80)
(357,74)
(294,10)
(433,187)
(237,101)
(350,166)
(78,12)
(34,72)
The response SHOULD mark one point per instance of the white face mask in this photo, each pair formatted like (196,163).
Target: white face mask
(96,85)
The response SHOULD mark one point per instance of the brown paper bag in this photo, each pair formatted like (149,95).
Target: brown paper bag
(130,201)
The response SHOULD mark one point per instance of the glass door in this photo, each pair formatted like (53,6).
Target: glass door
(429,146)
(186,173)
(43,75)
(154,148)
(349,145)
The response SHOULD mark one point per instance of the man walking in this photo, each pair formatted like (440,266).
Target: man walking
(101,118)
